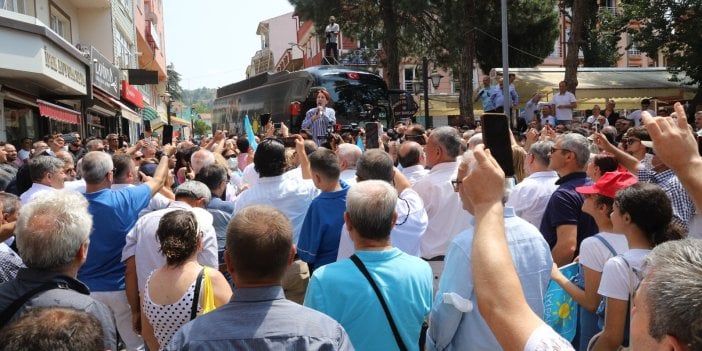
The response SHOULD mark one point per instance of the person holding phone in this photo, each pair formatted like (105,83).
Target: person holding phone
(319,119)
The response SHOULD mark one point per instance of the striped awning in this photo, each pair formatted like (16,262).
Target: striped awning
(58,113)
(149,114)
(176,120)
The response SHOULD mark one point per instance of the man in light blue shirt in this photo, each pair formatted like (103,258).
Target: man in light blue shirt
(342,292)
(456,323)
(498,97)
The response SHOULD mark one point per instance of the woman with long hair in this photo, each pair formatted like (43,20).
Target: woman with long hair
(170,290)
(320,118)
(643,212)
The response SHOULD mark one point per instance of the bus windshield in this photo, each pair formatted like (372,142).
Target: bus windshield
(357,99)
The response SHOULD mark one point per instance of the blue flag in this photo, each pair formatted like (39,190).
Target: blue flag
(250,133)
(560,310)
(359,143)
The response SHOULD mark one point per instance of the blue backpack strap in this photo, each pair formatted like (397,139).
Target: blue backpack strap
(608,245)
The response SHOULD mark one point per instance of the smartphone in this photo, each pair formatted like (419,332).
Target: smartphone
(289,141)
(264,118)
(147,126)
(167,135)
(276,125)
(598,127)
(371,135)
(496,136)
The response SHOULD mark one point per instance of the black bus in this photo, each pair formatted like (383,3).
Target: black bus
(357,96)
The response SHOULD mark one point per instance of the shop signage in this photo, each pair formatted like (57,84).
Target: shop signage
(132,94)
(106,76)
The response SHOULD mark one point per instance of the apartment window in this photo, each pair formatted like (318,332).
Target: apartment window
(412,79)
(59,22)
(123,52)
(634,47)
(13,5)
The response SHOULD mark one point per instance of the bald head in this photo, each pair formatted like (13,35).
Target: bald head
(410,154)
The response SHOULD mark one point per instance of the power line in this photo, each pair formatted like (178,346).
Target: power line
(500,40)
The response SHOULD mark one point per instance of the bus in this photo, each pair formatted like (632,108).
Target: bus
(357,97)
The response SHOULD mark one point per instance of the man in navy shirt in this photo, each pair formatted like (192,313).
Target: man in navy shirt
(564,224)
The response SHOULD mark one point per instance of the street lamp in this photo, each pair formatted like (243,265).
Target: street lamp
(435,81)
(167,100)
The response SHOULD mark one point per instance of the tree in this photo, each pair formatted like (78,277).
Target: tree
(673,28)
(199,108)
(173,85)
(601,36)
(201,127)
(389,21)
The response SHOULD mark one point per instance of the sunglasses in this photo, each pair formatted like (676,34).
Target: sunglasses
(229,156)
(629,141)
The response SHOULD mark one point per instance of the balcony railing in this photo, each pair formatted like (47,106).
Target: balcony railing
(611,10)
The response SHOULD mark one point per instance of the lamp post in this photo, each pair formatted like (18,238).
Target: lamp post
(167,100)
(435,81)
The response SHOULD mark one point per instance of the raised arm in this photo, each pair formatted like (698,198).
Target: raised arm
(677,148)
(497,287)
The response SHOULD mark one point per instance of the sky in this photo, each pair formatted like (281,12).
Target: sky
(211,42)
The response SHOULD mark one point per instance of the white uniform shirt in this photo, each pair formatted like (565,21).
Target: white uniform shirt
(415,173)
(444,209)
(563,114)
(144,246)
(530,197)
(35,190)
(408,230)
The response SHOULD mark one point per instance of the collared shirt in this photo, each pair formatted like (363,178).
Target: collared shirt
(290,195)
(453,329)
(415,173)
(485,96)
(10,263)
(75,295)
(411,224)
(530,197)
(144,246)
(567,98)
(261,319)
(32,192)
(340,291)
(157,202)
(320,126)
(444,209)
(565,207)
(498,98)
(348,176)
(115,213)
(683,207)
(636,116)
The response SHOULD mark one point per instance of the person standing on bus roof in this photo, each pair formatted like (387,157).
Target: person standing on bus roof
(332,34)
(320,118)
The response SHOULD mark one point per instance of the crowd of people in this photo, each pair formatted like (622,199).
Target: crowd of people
(311,241)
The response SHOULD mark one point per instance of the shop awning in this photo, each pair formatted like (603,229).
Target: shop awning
(596,84)
(127,112)
(176,120)
(58,113)
(149,114)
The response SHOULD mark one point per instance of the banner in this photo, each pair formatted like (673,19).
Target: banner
(560,310)
(250,133)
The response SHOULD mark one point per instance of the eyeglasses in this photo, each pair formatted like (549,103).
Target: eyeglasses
(630,141)
(456,184)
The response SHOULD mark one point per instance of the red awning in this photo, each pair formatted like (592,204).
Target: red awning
(58,113)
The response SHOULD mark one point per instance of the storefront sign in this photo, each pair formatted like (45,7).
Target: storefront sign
(64,67)
(106,76)
(132,94)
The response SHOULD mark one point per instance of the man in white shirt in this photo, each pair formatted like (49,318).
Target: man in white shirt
(332,34)
(348,156)
(412,218)
(564,102)
(47,175)
(636,115)
(530,197)
(290,195)
(445,210)
(411,157)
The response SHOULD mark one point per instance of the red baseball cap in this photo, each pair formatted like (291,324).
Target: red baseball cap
(609,184)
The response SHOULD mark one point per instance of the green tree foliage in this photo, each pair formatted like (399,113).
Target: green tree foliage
(201,127)
(674,28)
(390,22)
(532,29)
(173,85)
(601,36)
(203,97)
